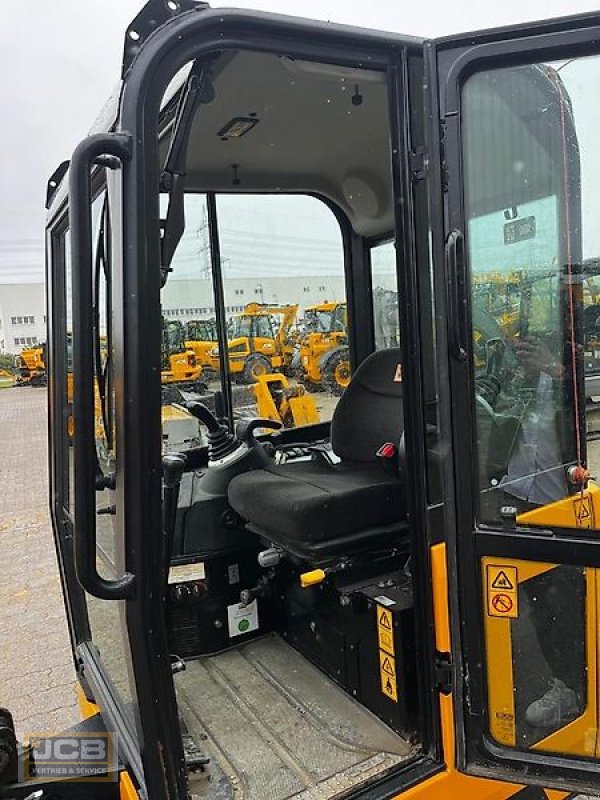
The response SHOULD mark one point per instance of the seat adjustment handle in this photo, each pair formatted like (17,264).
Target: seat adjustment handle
(312,578)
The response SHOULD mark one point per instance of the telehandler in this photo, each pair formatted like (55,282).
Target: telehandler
(398,603)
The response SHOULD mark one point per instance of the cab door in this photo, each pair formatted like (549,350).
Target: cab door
(515,118)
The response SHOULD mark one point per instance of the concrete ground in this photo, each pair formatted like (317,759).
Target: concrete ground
(37,680)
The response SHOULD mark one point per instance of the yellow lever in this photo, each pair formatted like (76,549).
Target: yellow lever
(312,578)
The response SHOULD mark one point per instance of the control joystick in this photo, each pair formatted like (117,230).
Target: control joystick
(221,442)
(230,455)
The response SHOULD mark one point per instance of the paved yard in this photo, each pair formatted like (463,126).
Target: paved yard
(36,673)
(37,679)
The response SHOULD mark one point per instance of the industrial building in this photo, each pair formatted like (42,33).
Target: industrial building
(22,316)
(23,310)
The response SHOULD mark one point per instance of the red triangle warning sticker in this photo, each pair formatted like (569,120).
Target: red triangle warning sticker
(502,581)
(584,511)
(389,687)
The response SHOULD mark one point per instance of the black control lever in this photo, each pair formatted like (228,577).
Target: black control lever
(173,466)
(245,429)
(203,415)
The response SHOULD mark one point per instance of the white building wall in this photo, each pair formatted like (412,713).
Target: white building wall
(23,306)
(193,298)
(22,316)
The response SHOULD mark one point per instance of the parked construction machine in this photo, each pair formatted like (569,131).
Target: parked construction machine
(323,355)
(401,601)
(200,338)
(179,366)
(30,367)
(259,341)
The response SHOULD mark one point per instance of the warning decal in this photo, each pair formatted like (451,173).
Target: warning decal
(385,632)
(387,662)
(387,672)
(502,581)
(584,511)
(502,591)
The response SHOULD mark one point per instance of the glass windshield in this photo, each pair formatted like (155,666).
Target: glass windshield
(240,327)
(318,321)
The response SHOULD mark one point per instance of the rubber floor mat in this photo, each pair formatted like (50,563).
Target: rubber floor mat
(276,728)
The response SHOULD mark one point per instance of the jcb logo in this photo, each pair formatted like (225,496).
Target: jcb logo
(88,756)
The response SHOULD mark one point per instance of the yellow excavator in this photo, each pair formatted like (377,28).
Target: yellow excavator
(259,341)
(31,367)
(324,360)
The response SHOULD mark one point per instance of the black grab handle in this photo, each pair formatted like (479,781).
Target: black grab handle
(99,148)
(455,262)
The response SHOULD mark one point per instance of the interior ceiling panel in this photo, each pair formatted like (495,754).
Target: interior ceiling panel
(321,129)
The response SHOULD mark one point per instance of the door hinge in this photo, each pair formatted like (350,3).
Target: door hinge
(444,672)
(417,164)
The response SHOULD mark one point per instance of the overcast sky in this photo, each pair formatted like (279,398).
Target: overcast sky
(62,59)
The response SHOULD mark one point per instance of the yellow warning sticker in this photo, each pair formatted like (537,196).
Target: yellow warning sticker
(387,673)
(502,591)
(387,664)
(502,727)
(584,511)
(385,630)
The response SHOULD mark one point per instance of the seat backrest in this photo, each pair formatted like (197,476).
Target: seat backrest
(370,412)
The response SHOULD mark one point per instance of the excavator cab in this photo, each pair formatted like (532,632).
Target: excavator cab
(201,338)
(396,600)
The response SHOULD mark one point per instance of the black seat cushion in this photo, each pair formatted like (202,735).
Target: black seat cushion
(314,502)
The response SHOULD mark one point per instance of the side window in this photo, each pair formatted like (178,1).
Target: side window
(189,343)
(384,287)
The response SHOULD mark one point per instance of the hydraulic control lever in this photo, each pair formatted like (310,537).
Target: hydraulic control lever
(173,465)
(221,442)
(245,429)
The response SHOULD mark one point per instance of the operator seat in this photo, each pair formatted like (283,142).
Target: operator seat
(315,509)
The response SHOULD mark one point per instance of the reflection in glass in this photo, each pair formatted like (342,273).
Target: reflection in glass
(522,204)
(384,283)
(541,689)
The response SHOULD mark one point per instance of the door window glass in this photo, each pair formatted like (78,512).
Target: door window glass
(106,617)
(531,175)
(523,210)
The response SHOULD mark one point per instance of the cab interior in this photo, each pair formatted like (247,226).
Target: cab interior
(290,591)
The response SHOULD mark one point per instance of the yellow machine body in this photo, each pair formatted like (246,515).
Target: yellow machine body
(278,400)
